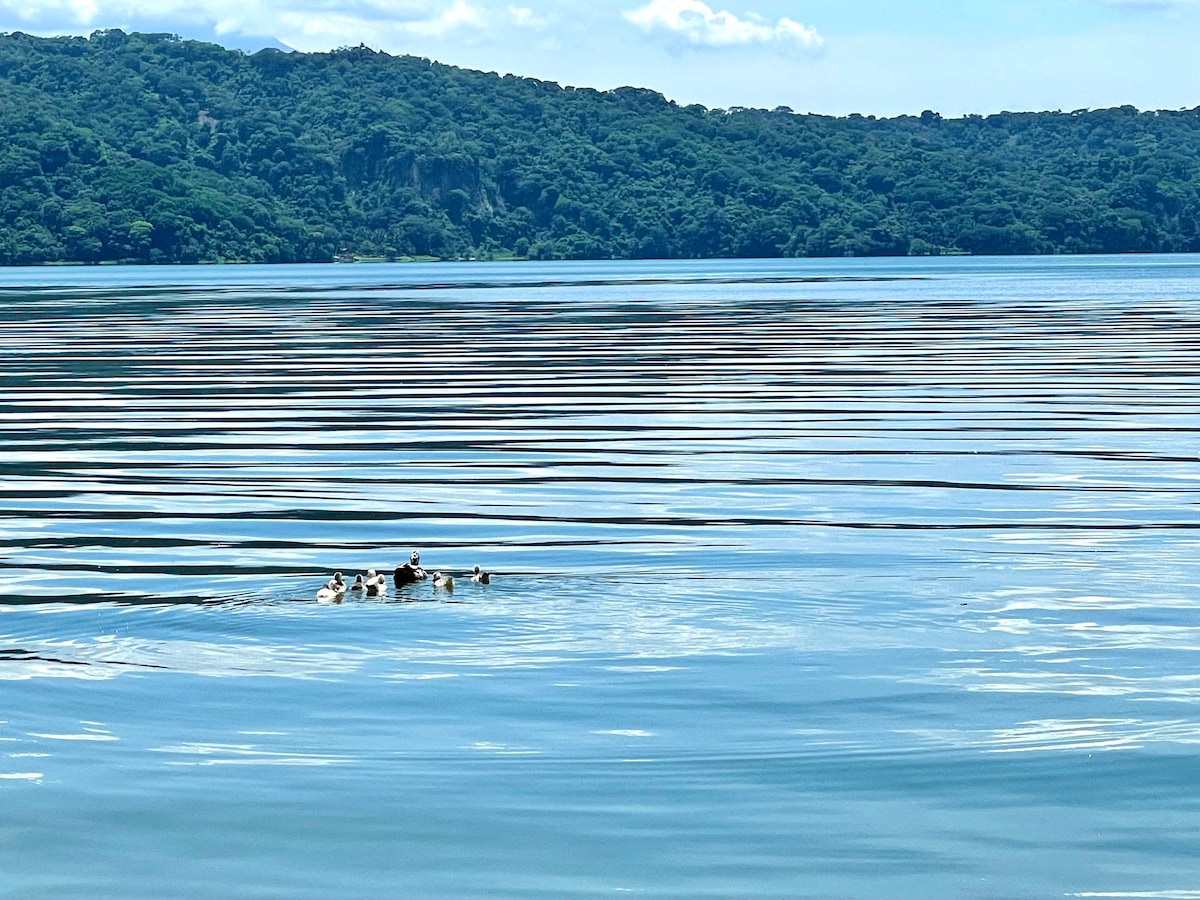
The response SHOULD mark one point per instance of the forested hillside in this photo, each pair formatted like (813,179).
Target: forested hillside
(147,148)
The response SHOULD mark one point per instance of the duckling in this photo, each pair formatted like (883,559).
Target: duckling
(358,583)
(445,582)
(480,576)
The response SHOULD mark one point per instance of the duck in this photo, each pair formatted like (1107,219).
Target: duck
(334,588)
(410,572)
(446,582)
(358,583)
(375,583)
(480,577)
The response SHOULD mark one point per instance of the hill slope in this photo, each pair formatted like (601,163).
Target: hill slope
(149,148)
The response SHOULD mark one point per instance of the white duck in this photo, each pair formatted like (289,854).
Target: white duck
(446,582)
(481,577)
(334,588)
(375,582)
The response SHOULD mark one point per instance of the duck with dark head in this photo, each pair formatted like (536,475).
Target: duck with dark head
(410,572)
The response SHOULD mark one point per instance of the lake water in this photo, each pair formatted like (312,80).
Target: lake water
(811,579)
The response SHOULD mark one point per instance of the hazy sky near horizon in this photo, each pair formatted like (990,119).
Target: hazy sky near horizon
(881,57)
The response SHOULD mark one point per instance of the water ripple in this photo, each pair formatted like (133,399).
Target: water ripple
(793,562)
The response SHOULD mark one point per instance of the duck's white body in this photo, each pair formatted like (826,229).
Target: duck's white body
(334,589)
(481,577)
(375,583)
(445,582)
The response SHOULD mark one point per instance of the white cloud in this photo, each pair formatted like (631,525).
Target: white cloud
(85,10)
(527,18)
(315,24)
(459,15)
(699,24)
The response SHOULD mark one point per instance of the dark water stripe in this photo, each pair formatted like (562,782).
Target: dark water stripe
(167,487)
(18,655)
(31,468)
(512,516)
(155,290)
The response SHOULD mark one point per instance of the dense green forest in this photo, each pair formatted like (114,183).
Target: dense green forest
(148,148)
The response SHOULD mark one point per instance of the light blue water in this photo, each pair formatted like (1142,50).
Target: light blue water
(812,579)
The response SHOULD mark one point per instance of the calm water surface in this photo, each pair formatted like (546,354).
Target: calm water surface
(811,579)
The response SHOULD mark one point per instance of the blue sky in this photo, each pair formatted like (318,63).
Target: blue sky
(880,57)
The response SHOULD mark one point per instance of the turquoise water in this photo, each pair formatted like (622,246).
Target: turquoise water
(811,579)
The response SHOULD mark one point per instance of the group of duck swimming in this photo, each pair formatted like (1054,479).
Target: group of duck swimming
(406,573)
